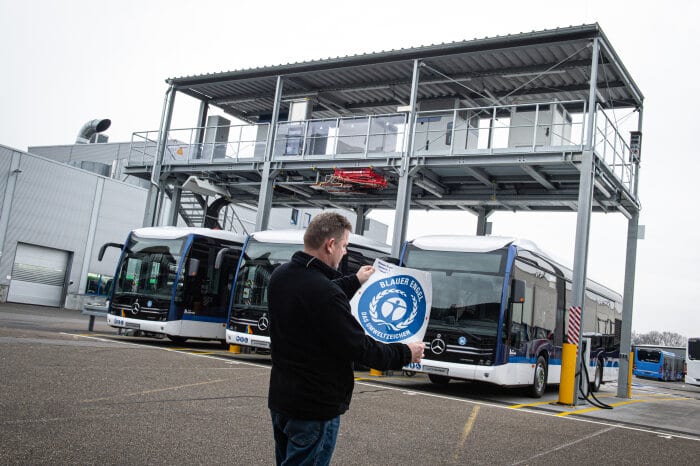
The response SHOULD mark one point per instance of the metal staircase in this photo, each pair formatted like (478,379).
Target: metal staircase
(193,210)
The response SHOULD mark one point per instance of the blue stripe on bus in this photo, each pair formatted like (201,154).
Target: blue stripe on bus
(532,360)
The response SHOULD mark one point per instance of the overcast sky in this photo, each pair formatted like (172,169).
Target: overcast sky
(67,62)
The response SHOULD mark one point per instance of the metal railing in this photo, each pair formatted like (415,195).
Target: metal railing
(501,128)
(613,149)
(533,127)
(219,144)
(363,136)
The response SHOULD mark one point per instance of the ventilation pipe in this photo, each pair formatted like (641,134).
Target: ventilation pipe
(91,128)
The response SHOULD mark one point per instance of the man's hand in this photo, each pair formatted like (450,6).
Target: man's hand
(417,348)
(364,273)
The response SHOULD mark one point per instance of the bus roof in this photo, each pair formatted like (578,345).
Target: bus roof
(167,232)
(297,237)
(470,243)
(462,243)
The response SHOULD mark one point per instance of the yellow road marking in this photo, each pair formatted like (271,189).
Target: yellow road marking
(537,403)
(622,403)
(375,379)
(468,426)
(146,392)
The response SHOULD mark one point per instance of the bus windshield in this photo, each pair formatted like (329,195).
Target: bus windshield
(694,349)
(149,267)
(258,263)
(467,288)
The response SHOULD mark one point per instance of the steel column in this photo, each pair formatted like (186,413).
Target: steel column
(265,198)
(174,205)
(361,219)
(484,214)
(403,195)
(628,293)
(583,218)
(150,215)
(199,132)
(636,171)
(628,305)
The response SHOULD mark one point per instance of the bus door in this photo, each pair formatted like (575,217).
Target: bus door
(207,288)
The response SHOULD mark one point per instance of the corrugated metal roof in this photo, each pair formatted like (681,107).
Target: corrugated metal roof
(530,67)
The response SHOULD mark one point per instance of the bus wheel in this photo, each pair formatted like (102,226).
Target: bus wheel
(177,339)
(539,382)
(598,377)
(439,379)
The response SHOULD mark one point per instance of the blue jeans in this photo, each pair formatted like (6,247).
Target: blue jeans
(299,442)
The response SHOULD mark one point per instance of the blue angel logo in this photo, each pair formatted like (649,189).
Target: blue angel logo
(392,309)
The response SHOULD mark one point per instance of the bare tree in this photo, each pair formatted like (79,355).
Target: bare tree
(659,338)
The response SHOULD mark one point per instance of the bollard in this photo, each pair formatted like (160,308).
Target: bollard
(235,349)
(376,373)
(630,366)
(567,391)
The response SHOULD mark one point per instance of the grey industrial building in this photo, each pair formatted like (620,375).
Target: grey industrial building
(59,204)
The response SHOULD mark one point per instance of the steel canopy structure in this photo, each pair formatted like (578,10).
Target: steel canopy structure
(523,122)
(498,76)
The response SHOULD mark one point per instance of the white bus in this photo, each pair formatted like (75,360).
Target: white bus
(248,324)
(166,282)
(499,313)
(692,361)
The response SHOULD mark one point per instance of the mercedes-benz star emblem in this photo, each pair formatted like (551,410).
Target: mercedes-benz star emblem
(136,308)
(263,323)
(437,346)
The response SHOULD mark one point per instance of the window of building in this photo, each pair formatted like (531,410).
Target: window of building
(294,217)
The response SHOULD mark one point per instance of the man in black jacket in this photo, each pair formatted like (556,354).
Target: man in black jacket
(314,342)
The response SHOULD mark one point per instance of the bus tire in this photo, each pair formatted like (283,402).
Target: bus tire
(597,376)
(439,379)
(539,382)
(177,339)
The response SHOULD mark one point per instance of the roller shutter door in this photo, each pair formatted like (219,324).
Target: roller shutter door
(38,275)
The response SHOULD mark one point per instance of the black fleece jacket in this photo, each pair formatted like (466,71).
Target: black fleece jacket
(315,340)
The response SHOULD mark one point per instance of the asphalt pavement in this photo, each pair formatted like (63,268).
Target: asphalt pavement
(68,396)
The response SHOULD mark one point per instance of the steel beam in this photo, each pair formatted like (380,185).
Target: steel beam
(265,199)
(403,198)
(537,176)
(174,205)
(628,306)
(361,212)
(481,223)
(583,218)
(150,215)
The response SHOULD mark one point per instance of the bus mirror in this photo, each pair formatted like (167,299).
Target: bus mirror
(220,256)
(104,247)
(518,293)
(193,267)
